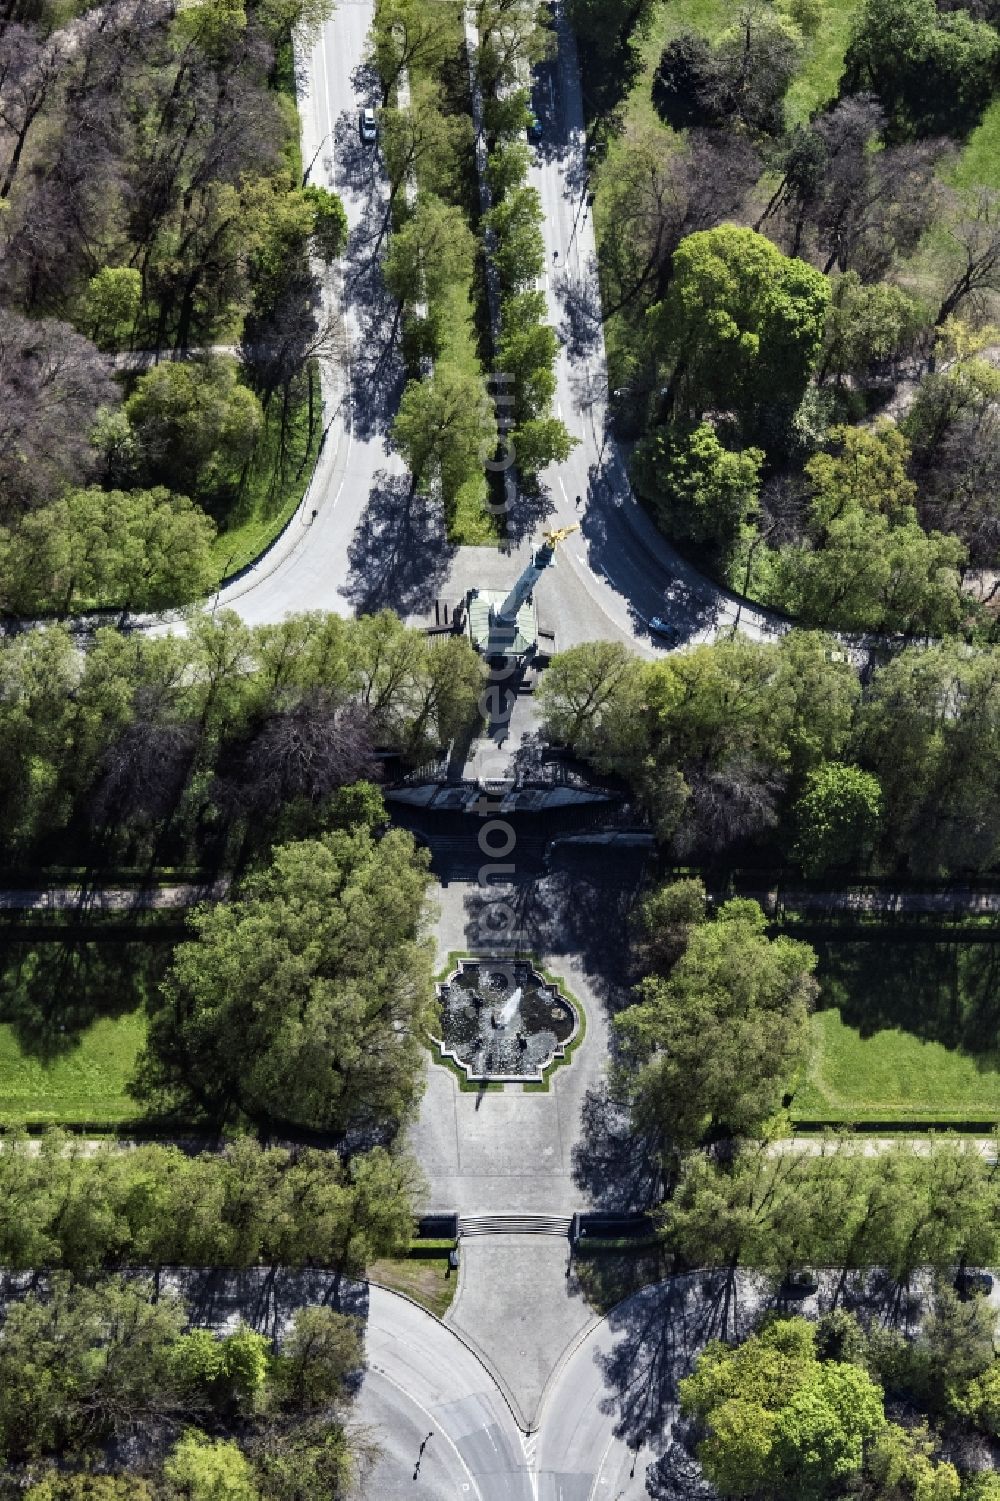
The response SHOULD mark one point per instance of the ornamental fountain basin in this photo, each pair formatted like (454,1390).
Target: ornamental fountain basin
(502,1020)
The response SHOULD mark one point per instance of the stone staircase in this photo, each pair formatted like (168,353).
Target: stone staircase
(515,1224)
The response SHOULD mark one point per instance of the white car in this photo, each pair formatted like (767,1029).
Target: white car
(368,126)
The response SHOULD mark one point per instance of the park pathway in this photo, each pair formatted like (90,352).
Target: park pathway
(179,895)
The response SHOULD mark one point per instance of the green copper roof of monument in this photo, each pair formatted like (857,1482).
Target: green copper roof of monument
(480,602)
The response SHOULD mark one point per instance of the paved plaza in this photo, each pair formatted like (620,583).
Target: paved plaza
(510,1151)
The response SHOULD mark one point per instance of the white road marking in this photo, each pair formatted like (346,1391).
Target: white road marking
(598,1477)
(528,1444)
(347,458)
(331,137)
(435,1424)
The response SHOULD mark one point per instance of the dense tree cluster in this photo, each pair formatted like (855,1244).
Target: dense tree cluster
(707,1048)
(862,559)
(196,746)
(713,1042)
(150,178)
(798,1412)
(932,71)
(740,356)
(953,428)
(306,1000)
(778,1209)
(735,744)
(743,77)
(526,347)
(714,740)
(711,1047)
(447,424)
(83,1212)
(86,1369)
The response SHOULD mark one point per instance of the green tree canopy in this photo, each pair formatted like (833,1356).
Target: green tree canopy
(866,563)
(83,1486)
(932,70)
(901,1468)
(318,1353)
(838,815)
(901,1209)
(741,324)
(714,1046)
(433,249)
(114,297)
(665,921)
(407,34)
(76,1367)
(927,730)
(527,351)
(703,492)
(704,721)
(518,248)
(781,1424)
(196,425)
(202,1469)
(542,441)
(305,999)
(446,428)
(868,326)
(137,549)
(329,231)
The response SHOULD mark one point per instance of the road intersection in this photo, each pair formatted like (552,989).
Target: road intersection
(356,542)
(441,1420)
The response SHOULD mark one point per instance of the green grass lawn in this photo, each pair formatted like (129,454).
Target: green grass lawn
(908,1031)
(819,78)
(273,492)
(892,1076)
(430,1282)
(819,74)
(978,164)
(86,1083)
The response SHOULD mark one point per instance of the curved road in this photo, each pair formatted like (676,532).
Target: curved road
(355,542)
(310,566)
(422,1380)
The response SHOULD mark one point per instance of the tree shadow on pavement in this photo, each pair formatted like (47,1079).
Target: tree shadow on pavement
(581,908)
(399,554)
(377,372)
(367,84)
(692,611)
(580,329)
(266,1297)
(660,1331)
(590,399)
(531,506)
(618,1171)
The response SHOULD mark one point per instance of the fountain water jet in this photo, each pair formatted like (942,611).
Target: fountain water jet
(510,1007)
(502,1020)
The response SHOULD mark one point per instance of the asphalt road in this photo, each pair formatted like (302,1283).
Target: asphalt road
(314,566)
(357,543)
(422,1382)
(628,571)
